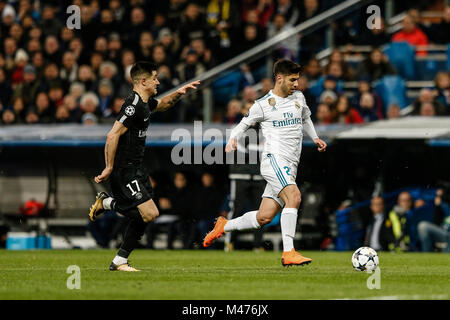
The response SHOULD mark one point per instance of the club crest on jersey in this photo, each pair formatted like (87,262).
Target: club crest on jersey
(272,103)
(129,111)
(297,104)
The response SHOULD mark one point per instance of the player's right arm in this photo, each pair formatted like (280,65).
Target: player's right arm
(112,140)
(254,115)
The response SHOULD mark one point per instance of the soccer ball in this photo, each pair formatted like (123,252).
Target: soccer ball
(365,259)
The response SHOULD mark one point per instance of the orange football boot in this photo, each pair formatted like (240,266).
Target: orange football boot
(294,258)
(216,233)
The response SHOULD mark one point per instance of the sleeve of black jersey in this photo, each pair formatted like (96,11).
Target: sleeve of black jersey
(127,114)
(152,103)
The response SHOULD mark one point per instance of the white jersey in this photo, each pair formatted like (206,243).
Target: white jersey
(281,122)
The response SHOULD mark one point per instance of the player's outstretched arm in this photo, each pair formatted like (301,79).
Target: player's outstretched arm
(169,101)
(311,131)
(235,134)
(112,140)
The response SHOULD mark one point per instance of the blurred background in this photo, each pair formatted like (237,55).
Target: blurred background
(377,83)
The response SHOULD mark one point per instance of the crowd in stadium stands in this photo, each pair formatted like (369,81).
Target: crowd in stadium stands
(399,229)
(52,74)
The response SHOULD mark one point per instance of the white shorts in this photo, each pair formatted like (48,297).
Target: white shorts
(278,173)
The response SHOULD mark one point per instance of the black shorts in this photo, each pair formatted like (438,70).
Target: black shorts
(130,187)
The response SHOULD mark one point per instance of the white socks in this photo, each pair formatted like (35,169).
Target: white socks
(288,224)
(118,260)
(107,203)
(244,222)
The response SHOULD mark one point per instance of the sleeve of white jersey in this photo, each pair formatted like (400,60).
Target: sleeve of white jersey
(254,115)
(306,112)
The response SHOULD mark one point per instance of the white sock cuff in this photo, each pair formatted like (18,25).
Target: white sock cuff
(107,203)
(254,220)
(289,211)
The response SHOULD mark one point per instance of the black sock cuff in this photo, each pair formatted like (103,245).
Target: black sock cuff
(123,253)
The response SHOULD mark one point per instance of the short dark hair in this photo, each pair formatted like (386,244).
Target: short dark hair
(286,67)
(142,68)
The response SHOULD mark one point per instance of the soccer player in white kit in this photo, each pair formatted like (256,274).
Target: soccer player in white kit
(283,116)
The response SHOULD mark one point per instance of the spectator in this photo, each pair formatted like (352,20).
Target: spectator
(135,27)
(328,97)
(105,94)
(62,115)
(193,24)
(144,53)
(440,33)
(19,110)
(69,70)
(55,94)
(313,71)
(159,55)
(303,86)
(397,221)
(344,112)
(365,87)
(208,202)
(27,90)
(86,77)
(411,34)
(442,90)
(289,10)
(50,24)
(52,53)
(427,109)
(287,49)
(70,103)
(89,104)
(115,48)
(204,54)
(181,199)
(426,96)
(89,119)
(393,111)
(31,117)
(233,114)
(223,17)
(376,66)
(9,54)
(170,42)
(377,236)
(439,229)
(337,57)
(367,108)
(43,108)
(323,114)
(8,117)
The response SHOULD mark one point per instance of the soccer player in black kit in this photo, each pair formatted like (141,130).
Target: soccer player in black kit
(124,154)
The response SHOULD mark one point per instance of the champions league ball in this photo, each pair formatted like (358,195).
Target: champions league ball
(365,259)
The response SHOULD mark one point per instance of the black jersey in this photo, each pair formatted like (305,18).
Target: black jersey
(134,115)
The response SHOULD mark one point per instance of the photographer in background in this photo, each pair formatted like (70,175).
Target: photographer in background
(437,231)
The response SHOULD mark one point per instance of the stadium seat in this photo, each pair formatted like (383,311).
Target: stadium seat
(392,89)
(227,87)
(317,89)
(401,55)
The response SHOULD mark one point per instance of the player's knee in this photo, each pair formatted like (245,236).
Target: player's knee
(263,220)
(294,199)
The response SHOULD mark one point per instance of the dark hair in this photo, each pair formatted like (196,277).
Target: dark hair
(286,67)
(141,68)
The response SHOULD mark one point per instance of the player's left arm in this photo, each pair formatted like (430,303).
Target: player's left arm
(170,100)
(308,126)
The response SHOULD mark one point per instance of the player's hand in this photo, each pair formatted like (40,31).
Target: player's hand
(231,145)
(103,176)
(190,86)
(322,145)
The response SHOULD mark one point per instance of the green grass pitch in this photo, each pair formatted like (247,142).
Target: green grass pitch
(217,275)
